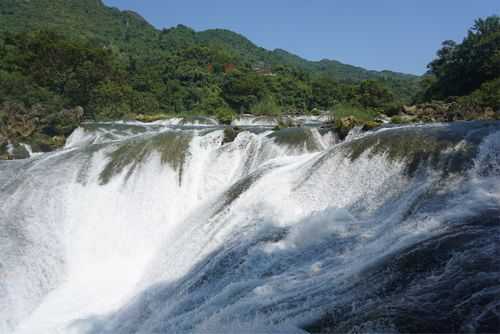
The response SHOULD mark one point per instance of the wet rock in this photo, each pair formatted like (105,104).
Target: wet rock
(150,118)
(3,148)
(382,119)
(438,111)
(345,124)
(43,129)
(288,122)
(370,125)
(285,122)
(403,119)
(44,143)
(198,120)
(172,147)
(62,123)
(409,109)
(296,138)
(230,134)
(18,151)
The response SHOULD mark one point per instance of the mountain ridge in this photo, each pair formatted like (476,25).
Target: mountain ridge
(109,25)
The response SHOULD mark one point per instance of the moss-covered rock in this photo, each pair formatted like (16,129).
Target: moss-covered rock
(342,126)
(230,134)
(150,118)
(172,146)
(439,111)
(45,130)
(18,151)
(425,145)
(4,148)
(296,138)
(403,119)
(345,124)
(370,125)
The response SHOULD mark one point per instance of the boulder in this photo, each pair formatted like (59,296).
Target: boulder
(4,154)
(43,129)
(18,151)
(345,124)
(230,134)
(449,111)
(382,119)
(370,125)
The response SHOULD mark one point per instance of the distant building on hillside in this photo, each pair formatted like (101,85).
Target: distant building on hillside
(263,69)
(228,68)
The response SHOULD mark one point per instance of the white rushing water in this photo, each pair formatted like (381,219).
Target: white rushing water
(137,228)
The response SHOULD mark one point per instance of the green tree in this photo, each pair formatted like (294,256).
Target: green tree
(372,94)
(243,90)
(111,100)
(460,69)
(266,106)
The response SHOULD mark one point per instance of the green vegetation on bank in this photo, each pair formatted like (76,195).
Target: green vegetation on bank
(468,72)
(44,67)
(346,110)
(94,62)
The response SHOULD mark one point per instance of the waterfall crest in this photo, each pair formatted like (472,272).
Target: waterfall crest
(136,228)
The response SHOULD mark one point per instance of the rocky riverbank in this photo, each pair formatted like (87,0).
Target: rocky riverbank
(46,131)
(444,112)
(42,130)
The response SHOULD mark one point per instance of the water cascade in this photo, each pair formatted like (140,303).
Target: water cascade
(162,228)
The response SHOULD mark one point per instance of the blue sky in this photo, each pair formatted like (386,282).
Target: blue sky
(400,35)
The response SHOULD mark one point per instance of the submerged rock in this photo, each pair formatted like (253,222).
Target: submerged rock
(425,144)
(296,138)
(172,146)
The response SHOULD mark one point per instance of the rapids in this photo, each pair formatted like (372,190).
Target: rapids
(161,228)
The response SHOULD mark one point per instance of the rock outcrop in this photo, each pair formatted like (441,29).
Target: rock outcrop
(446,112)
(36,126)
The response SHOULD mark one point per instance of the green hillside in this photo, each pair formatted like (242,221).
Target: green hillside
(64,54)
(131,33)
(78,18)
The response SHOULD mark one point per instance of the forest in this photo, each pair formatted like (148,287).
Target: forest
(54,71)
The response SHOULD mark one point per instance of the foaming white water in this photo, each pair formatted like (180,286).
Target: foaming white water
(92,242)
(311,120)
(250,120)
(260,234)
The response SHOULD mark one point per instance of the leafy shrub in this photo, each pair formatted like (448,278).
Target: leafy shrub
(392,109)
(488,95)
(345,110)
(266,107)
(225,115)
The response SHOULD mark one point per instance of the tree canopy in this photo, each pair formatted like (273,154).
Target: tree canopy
(461,68)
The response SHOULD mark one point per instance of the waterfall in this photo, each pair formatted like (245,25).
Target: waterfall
(161,228)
